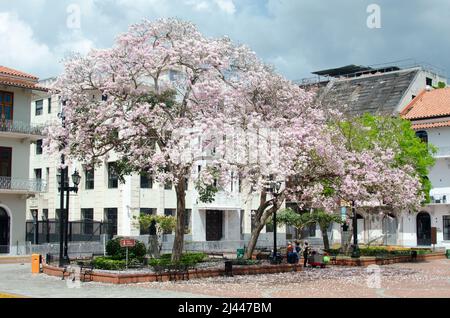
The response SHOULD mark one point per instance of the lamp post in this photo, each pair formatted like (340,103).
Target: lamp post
(355,250)
(63,182)
(275,187)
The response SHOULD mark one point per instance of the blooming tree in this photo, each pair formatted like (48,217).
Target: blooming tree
(147,100)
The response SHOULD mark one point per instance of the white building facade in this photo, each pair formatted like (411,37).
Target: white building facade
(16,134)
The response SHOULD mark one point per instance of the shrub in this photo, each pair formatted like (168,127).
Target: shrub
(116,252)
(108,263)
(189,259)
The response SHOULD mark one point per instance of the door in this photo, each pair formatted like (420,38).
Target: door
(214,223)
(5,161)
(360,228)
(423,229)
(390,230)
(4,231)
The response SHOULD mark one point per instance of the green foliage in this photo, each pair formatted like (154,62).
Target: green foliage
(394,133)
(301,220)
(108,263)
(167,223)
(206,193)
(440,85)
(189,259)
(116,252)
(245,262)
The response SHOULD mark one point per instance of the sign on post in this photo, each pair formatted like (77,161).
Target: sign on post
(127,243)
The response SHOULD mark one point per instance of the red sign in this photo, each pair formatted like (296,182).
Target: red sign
(127,243)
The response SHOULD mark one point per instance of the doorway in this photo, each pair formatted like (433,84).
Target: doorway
(214,224)
(4,231)
(423,229)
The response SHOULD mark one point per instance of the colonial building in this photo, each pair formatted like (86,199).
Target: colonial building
(429,113)
(388,90)
(16,134)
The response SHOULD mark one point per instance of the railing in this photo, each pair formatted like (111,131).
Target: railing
(20,127)
(42,232)
(442,152)
(31,185)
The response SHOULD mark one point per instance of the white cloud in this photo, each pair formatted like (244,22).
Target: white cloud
(226,5)
(20,48)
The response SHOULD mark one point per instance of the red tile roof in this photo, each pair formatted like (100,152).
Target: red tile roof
(431,125)
(9,71)
(428,104)
(11,77)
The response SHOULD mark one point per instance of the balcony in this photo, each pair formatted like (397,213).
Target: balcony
(440,196)
(442,152)
(19,129)
(10,185)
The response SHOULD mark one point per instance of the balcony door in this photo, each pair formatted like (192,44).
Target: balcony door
(4,231)
(6,105)
(5,165)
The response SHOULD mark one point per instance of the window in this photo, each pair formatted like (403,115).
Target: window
(49,105)
(39,107)
(148,211)
(422,135)
(269,227)
(104,97)
(446,226)
(146,181)
(239,185)
(89,178)
(187,220)
(413,96)
(113,177)
(429,81)
(186,184)
(168,185)
(44,214)
(38,174)
(39,147)
(58,214)
(6,105)
(5,161)
(170,212)
(110,217)
(87,216)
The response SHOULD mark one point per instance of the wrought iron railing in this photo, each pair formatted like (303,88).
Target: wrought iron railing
(32,185)
(20,127)
(41,232)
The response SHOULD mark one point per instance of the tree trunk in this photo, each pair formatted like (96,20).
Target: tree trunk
(254,239)
(178,242)
(347,244)
(326,241)
(261,217)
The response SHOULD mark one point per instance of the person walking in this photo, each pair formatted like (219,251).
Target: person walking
(305,253)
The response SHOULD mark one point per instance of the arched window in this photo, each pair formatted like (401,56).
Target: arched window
(422,135)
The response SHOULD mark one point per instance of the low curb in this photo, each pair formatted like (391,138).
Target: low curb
(113,278)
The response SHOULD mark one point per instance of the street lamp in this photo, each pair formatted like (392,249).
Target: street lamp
(275,187)
(64,187)
(355,250)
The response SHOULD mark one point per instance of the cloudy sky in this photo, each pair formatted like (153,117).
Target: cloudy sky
(296,36)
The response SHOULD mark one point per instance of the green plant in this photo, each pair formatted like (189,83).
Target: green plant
(116,252)
(189,259)
(108,263)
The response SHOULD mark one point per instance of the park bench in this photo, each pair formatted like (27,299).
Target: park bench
(216,255)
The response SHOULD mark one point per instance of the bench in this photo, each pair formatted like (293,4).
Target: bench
(216,255)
